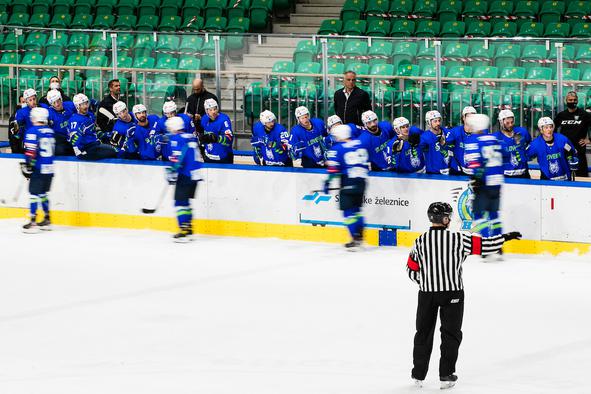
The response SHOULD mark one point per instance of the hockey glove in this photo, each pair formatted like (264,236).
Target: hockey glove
(512,235)
(171,176)
(573,163)
(208,138)
(26,169)
(414,139)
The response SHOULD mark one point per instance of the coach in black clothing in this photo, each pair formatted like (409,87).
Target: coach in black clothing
(105,118)
(194,106)
(435,264)
(350,102)
(574,123)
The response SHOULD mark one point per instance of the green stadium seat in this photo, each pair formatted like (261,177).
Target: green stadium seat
(51,60)
(540,73)
(449,10)
(8,58)
(62,6)
(166,61)
(404,52)
(504,29)
(193,8)
(352,10)
(453,29)
(581,30)
(188,63)
(60,21)
(478,29)
(125,41)
(380,52)
(427,28)
(240,10)
(430,71)
(145,62)
(464,72)
(147,23)
(239,26)
(384,70)
(281,66)
(400,8)
(170,8)
(570,74)
(125,22)
(376,9)
(21,6)
(533,55)
(167,43)
(531,29)
(215,8)
(305,51)
(38,20)
(355,49)
(100,42)
(354,28)
(425,8)
(506,55)
(18,19)
(402,28)
(378,28)
(144,44)
(81,21)
(170,23)
(3,17)
(330,27)
(551,11)
(74,60)
(307,68)
(55,46)
(501,8)
(259,14)
(191,44)
(103,22)
(41,7)
(568,53)
(479,55)
(11,41)
(425,55)
(578,9)
(104,7)
(527,9)
(148,7)
(126,7)
(334,48)
(35,41)
(28,76)
(193,23)
(455,53)
(358,68)
(486,72)
(475,8)
(512,73)
(215,24)
(78,42)
(557,30)
(208,60)
(336,68)
(408,70)
(82,7)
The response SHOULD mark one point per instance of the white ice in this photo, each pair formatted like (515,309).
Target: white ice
(85,311)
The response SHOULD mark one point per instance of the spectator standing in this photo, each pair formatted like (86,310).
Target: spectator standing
(106,118)
(351,101)
(195,106)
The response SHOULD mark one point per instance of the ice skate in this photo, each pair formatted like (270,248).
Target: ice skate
(45,224)
(183,236)
(447,382)
(31,227)
(355,245)
(418,384)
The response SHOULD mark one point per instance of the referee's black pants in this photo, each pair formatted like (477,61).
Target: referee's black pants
(450,305)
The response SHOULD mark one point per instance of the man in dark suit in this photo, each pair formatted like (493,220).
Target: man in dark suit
(351,101)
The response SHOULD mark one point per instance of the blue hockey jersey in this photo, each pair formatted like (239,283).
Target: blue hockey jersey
(185,155)
(310,144)
(82,132)
(141,142)
(436,154)
(22,117)
(350,159)
(484,156)
(553,159)
(122,130)
(410,159)
(222,128)
(160,126)
(39,149)
(377,145)
(270,148)
(59,120)
(514,151)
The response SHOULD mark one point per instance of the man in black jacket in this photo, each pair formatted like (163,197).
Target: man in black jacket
(574,123)
(105,117)
(194,106)
(350,102)
(55,83)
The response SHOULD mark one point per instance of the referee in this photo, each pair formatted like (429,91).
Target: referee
(435,263)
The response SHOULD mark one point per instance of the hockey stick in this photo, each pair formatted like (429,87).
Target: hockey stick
(17,193)
(160,199)
(329,189)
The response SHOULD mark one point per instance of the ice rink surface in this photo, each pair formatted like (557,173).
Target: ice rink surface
(101,311)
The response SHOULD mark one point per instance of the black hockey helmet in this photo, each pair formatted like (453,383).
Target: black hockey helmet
(438,210)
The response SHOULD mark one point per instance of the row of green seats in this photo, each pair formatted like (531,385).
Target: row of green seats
(429,28)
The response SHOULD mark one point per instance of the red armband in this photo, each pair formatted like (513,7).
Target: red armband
(411,264)
(476,245)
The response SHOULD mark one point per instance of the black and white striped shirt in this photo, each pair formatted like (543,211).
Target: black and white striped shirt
(435,261)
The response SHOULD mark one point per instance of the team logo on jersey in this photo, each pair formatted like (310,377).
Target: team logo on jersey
(463,198)
(317,197)
(554,167)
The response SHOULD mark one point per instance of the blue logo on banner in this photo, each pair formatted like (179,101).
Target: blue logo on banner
(317,197)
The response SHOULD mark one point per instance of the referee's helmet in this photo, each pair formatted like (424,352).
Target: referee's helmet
(438,210)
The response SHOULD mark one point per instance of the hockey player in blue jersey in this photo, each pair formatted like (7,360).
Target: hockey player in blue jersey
(185,161)
(349,160)
(433,144)
(335,120)
(403,152)
(556,155)
(141,142)
(484,156)
(270,142)
(217,134)
(514,142)
(455,140)
(38,167)
(60,113)
(375,138)
(308,139)
(22,117)
(160,136)
(123,129)
(83,135)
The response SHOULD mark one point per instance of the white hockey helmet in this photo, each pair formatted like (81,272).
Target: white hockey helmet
(119,107)
(504,114)
(174,124)
(544,122)
(341,132)
(399,122)
(332,120)
(468,110)
(80,99)
(210,103)
(53,96)
(169,107)
(39,115)
(368,116)
(431,115)
(55,85)
(267,117)
(477,122)
(29,93)
(139,108)
(301,111)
